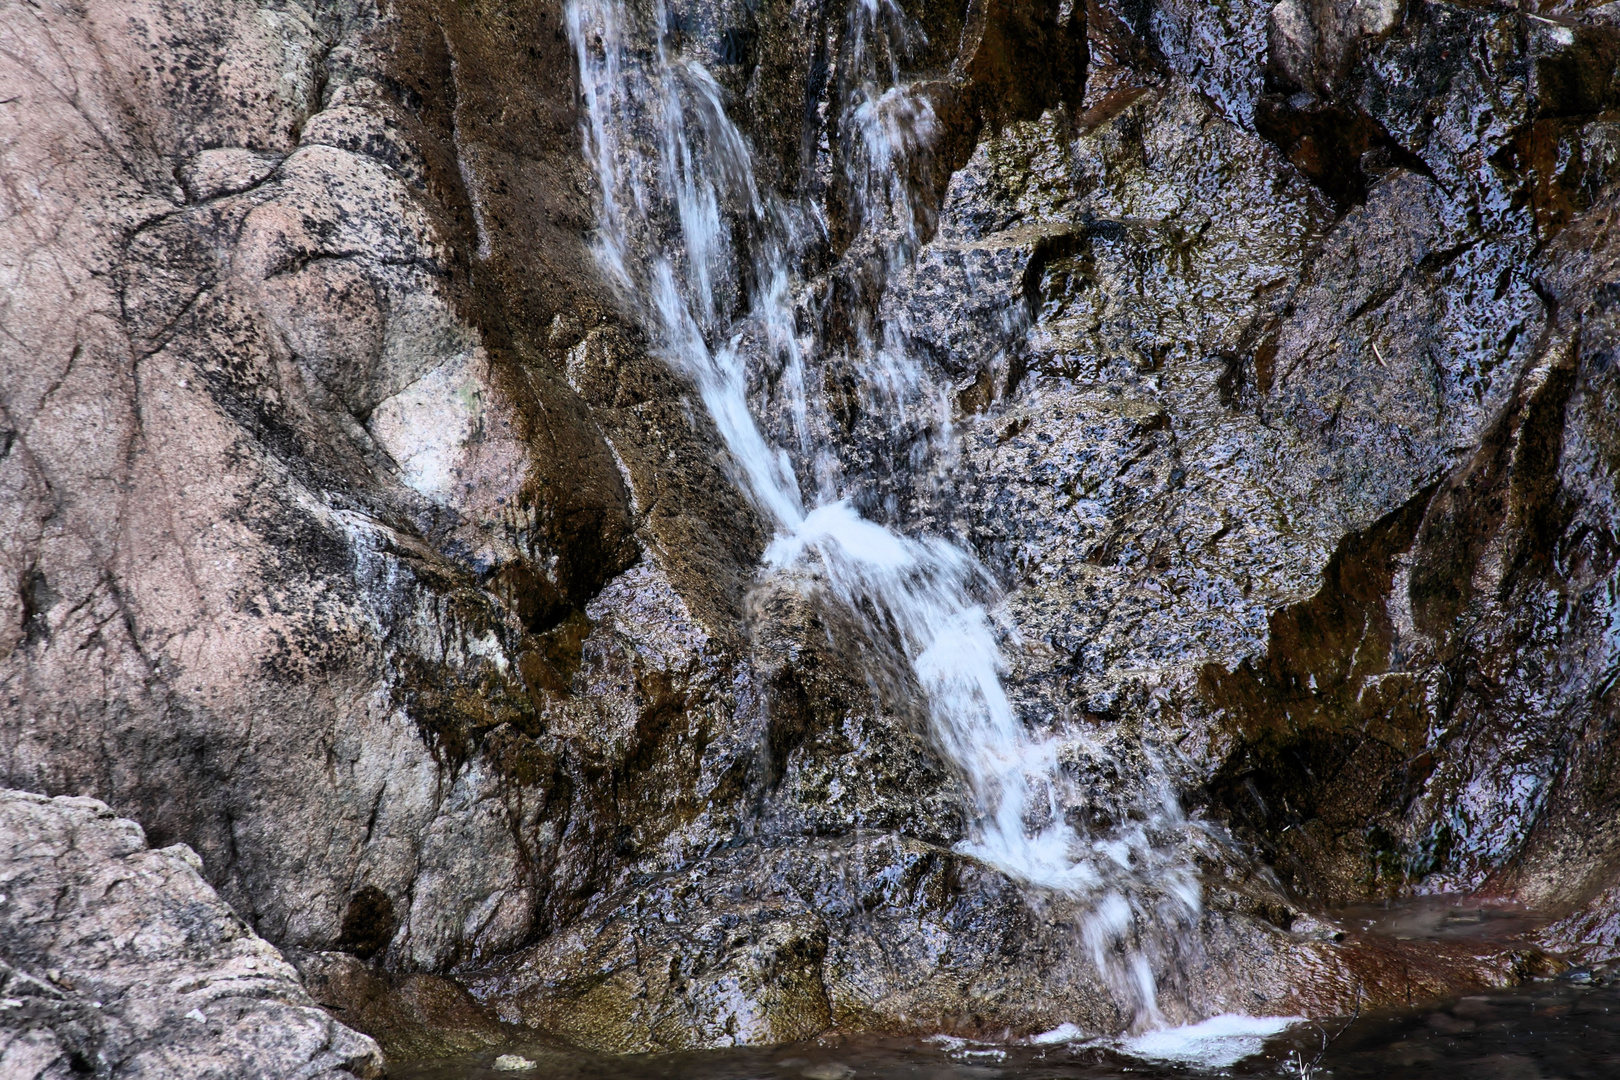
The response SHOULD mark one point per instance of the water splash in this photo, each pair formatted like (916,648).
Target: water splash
(678,190)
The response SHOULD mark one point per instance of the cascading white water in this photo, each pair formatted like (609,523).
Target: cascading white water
(677,186)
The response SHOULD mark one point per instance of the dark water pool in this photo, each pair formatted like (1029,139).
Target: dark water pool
(1561,1029)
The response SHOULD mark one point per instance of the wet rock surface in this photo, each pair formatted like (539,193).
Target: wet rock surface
(117,960)
(354,534)
(1561,1027)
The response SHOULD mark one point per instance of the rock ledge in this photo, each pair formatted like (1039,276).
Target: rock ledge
(117,960)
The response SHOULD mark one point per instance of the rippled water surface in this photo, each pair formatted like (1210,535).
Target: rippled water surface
(1562,1029)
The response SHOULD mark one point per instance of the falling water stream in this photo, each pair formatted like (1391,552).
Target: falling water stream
(680,198)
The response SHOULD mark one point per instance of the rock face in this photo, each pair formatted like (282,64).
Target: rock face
(119,960)
(302,519)
(352,534)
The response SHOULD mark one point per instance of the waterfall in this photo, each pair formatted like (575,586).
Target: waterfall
(678,191)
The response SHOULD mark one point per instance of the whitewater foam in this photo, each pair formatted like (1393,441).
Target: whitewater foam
(1216,1043)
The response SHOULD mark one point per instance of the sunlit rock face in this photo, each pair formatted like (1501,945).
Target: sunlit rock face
(1240,373)
(302,518)
(141,969)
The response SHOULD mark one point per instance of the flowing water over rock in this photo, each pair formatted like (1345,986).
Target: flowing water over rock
(716,266)
(659,527)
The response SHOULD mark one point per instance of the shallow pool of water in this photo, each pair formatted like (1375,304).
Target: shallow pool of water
(1559,1029)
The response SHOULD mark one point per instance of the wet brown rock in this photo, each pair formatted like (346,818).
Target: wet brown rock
(1332,740)
(1487,621)
(413,1016)
(782,939)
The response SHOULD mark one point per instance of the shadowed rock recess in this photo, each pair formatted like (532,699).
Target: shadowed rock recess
(363,537)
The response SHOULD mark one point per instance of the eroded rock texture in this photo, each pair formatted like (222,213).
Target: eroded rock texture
(119,960)
(302,518)
(350,535)
(1312,413)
